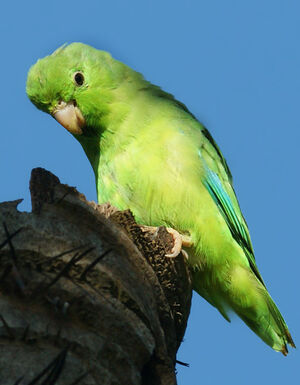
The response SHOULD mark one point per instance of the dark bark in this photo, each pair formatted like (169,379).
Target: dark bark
(85,294)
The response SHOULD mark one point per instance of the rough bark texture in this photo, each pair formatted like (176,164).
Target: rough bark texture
(86,296)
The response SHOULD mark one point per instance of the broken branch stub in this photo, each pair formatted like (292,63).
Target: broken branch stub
(86,295)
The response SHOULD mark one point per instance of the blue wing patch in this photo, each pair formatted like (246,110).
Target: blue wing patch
(237,228)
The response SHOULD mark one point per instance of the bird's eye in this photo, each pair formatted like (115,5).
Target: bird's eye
(78,78)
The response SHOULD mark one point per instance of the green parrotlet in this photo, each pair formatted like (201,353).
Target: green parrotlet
(150,154)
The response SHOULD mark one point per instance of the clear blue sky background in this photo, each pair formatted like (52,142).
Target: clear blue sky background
(236,65)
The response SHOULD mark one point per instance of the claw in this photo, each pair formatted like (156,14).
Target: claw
(185,254)
(180,241)
(177,247)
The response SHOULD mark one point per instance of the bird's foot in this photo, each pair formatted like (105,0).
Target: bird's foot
(180,241)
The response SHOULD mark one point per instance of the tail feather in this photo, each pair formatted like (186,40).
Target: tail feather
(282,326)
(255,307)
(240,290)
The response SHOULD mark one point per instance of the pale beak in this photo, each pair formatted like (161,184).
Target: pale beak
(69,116)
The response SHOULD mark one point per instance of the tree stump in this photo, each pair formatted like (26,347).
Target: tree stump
(87,296)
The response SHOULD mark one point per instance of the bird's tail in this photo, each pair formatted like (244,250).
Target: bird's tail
(249,298)
(267,323)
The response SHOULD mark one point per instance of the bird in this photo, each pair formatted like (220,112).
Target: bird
(150,154)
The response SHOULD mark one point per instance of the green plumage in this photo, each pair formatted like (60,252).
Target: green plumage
(150,154)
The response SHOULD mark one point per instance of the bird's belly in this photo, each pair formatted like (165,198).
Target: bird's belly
(186,209)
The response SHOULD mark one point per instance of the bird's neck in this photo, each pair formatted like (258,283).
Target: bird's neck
(110,133)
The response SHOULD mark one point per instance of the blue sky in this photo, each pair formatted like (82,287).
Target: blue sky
(236,65)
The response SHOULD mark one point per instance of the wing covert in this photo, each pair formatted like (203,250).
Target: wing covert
(218,181)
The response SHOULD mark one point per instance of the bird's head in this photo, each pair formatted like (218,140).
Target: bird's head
(75,84)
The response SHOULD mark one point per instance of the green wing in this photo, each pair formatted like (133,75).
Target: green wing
(218,181)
